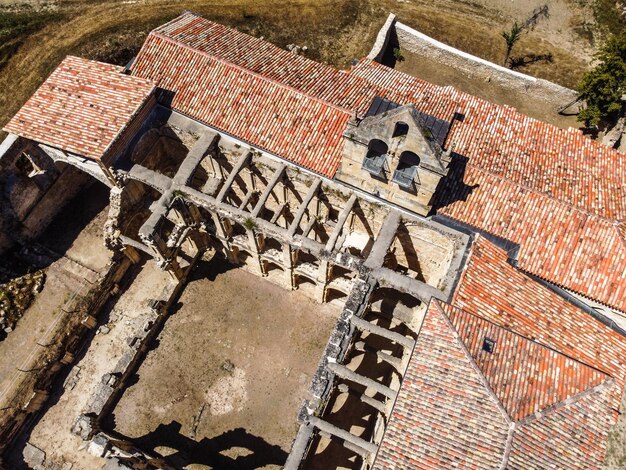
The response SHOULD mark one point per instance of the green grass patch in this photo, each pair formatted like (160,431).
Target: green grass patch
(16,26)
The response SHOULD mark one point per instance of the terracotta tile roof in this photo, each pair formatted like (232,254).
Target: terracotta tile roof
(573,436)
(558,242)
(554,192)
(449,415)
(444,417)
(561,163)
(82,107)
(525,182)
(525,376)
(253,108)
(261,57)
(496,291)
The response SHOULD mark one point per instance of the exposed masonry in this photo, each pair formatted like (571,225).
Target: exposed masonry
(183,188)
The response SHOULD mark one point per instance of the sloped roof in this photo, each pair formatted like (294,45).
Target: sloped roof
(82,107)
(556,193)
(256,109)
(563,164)
(526,376)
(496,291)
(529,152)
(524,181)
(449,412)
(263,58)
(444,415)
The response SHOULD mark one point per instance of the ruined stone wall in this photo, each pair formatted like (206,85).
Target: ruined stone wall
(30,396)
(34,190)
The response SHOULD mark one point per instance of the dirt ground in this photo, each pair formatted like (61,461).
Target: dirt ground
(76,236)
(233,364)
(443,74)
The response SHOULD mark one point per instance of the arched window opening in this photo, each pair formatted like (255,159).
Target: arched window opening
(375,161)
(401,129)
(405,175)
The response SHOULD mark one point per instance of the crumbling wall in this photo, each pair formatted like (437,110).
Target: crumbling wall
(31,395)
(34,189)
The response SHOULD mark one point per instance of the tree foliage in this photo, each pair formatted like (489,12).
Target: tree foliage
(602,88)
(511,37)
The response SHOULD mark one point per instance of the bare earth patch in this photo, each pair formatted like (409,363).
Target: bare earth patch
(233,364)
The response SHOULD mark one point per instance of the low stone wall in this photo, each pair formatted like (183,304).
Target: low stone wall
(120,451)
(382,39)
(69,340)
(415,42)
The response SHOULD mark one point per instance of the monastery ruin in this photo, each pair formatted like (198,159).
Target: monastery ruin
(467,262)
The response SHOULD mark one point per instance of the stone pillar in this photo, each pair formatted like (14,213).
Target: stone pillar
(248,178)
(220,229)
(288,263)
(322,281)
(254,249)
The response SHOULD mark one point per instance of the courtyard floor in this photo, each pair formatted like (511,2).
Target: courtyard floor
(224,383)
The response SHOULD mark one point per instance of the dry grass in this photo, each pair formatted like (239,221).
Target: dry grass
(334,30)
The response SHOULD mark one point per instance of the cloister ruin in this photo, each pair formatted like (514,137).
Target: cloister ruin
(394,203)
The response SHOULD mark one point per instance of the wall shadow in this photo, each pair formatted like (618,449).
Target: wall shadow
(59,236)
(209,451)
(211,269)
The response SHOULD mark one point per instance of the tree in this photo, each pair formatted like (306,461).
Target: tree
(511,37)
(603,87)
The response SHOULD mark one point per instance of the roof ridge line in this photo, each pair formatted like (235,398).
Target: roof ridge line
(532,340)
(173,20)
(620,236)
(508,445)
(474,366)
(569,130)
(250,72)
(569,289)
(548,410)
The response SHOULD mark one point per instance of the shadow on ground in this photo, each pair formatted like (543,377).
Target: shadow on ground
(212,452)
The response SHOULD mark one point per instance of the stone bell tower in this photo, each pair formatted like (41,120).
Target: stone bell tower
(396,153)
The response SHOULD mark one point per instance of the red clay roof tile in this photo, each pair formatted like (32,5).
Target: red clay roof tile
(496,291)
(450,411)
(82,107)
(554,192)
(253,108)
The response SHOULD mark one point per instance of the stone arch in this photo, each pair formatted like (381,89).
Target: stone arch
(400,129)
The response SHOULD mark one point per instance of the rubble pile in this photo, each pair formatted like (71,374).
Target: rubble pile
(16,295)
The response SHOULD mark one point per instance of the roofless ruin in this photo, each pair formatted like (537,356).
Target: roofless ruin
(473,257)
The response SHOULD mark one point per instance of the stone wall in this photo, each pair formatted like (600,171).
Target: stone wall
(68,343)
(480,69)
(34,190)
